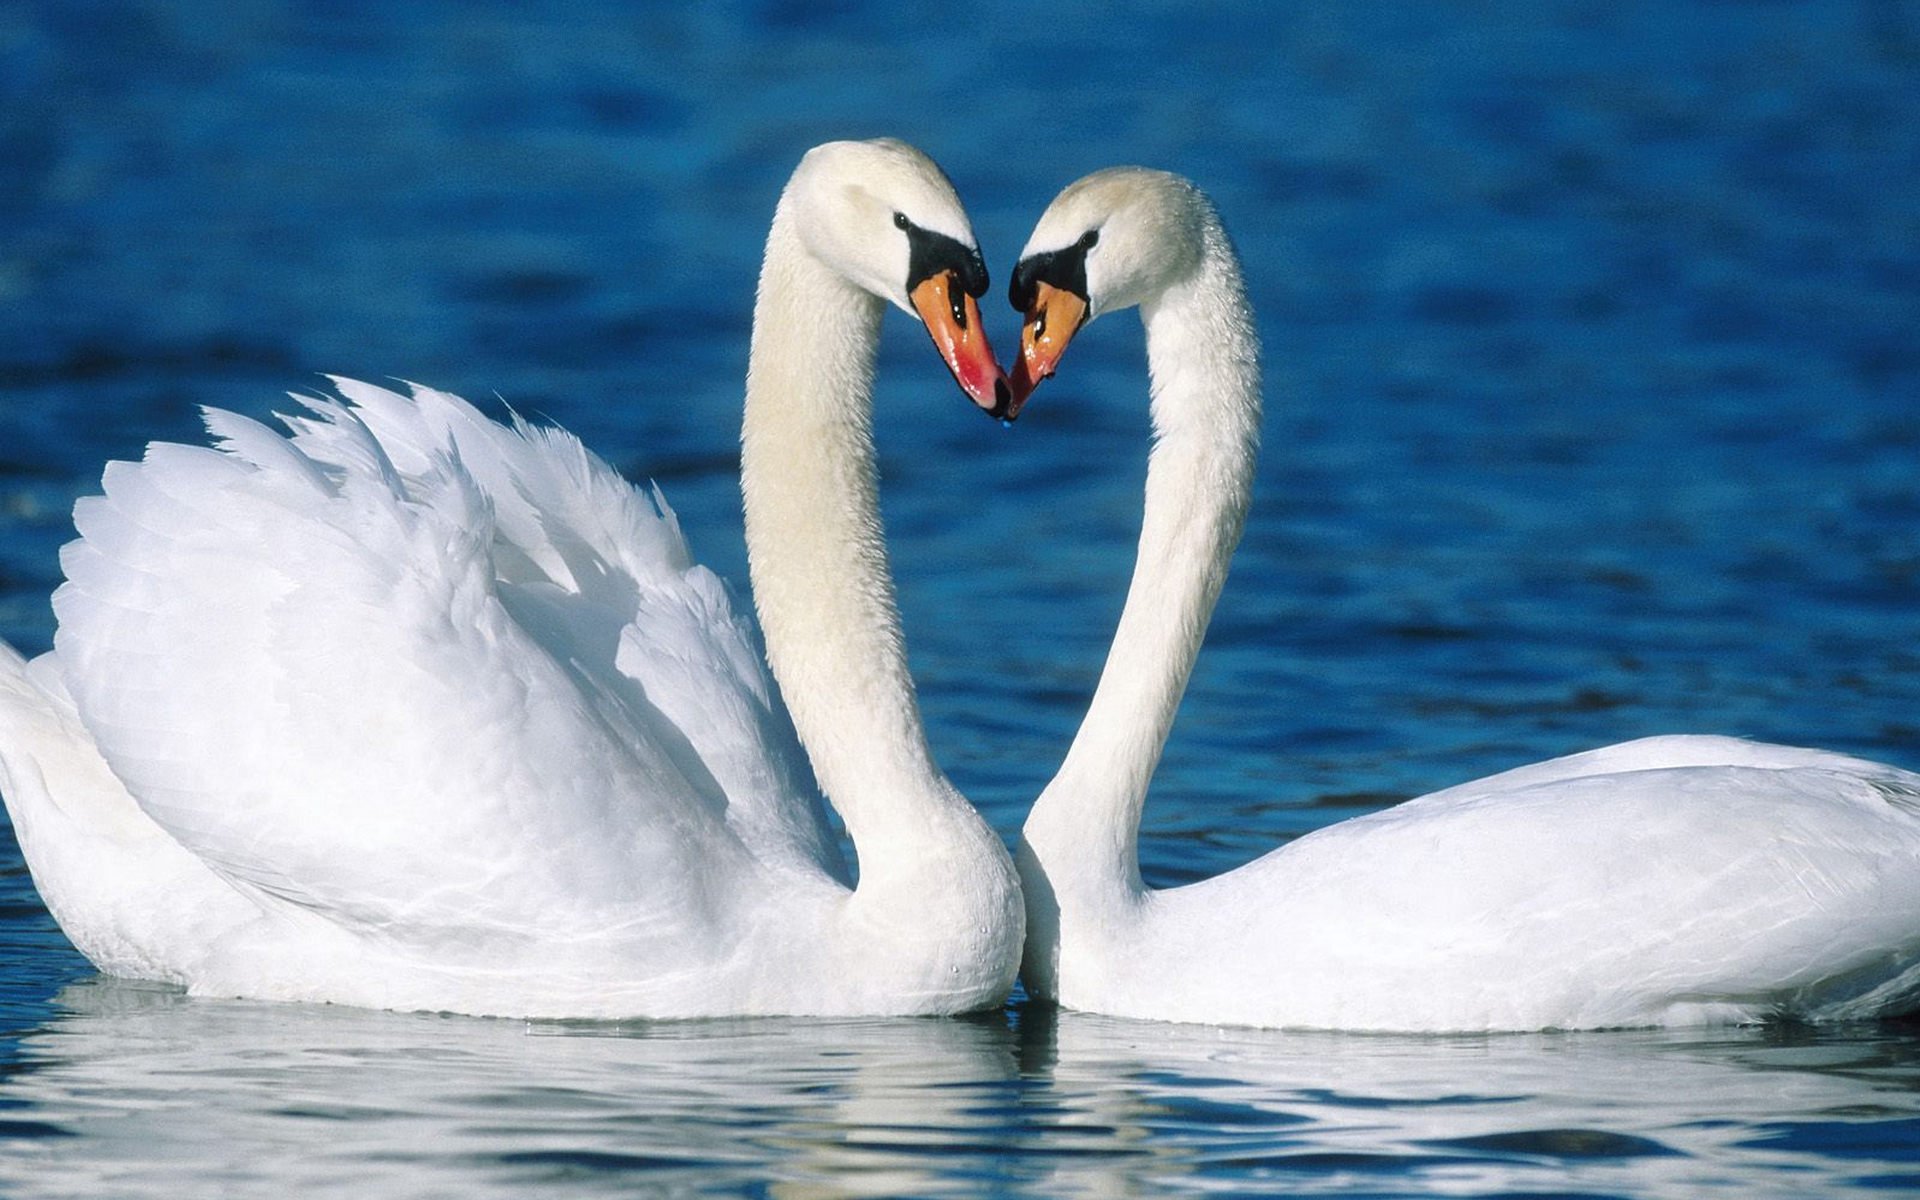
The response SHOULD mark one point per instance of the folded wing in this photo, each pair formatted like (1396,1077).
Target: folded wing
(429,676)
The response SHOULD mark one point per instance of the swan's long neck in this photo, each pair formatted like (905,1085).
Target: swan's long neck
(1203,356)
(816,553)
(935,923)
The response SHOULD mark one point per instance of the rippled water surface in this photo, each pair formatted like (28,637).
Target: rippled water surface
(138,1089)
(1594,412)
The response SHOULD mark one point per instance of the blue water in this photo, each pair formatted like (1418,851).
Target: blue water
(1594,412)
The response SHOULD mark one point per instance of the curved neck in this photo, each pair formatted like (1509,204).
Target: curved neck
(815,549)
(1203,356)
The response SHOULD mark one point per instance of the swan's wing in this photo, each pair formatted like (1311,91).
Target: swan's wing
(599,572)
(306,669)
(1785,880)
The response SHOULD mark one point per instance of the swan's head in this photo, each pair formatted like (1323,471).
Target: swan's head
(884,217)
(1114,239)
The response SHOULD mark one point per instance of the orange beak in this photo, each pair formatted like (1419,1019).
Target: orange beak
(953,320)
(1055,315)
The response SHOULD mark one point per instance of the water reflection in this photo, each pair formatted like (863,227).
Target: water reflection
(139,1090)
(136,1090)
(1628,1113)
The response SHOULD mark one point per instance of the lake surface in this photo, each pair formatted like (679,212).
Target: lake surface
(1594,412)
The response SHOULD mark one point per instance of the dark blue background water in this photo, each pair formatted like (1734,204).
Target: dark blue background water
(1594,411)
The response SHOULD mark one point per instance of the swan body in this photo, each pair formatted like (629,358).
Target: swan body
(1673,880)
(406,708)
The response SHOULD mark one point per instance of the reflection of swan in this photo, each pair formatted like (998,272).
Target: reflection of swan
(414,710)
(1642,1113)
(1672,880)
(135,1091)
(165,1096)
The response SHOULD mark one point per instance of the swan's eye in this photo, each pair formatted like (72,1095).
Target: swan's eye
(930,254)
(900,221)
(1089,240)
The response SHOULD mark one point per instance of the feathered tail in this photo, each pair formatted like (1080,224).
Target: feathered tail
(110,876)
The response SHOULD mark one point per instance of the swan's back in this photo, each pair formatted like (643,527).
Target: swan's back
(441,685)
(1664,881)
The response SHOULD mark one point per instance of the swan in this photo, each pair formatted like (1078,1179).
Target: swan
(1667,881)
(409,709)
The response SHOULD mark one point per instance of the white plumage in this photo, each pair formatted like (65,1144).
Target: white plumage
(1674,880)
(411,709)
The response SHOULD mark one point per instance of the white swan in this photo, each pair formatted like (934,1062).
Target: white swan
(413,710)
(1666,881)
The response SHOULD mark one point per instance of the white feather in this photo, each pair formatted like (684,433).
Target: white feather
(1673,880)
(414,709)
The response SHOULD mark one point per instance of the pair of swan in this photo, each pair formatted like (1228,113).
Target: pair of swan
(409,709)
